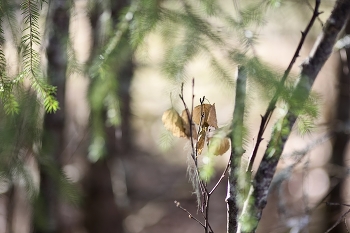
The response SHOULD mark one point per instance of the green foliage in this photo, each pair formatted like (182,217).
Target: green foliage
(11,105)
(105,73)
(31,57)
(20,132)
(215,148)
(166,140)
(308,114)
(73,65)
(27,45)
(222,73)
(177,56)
(8,15)
(145,19)
(190,29)
(6,85)
(207,171)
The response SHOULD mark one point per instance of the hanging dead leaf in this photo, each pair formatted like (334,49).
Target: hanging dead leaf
(218,146)
(212,120)
(173,122)
(186,126)
(201,141)
(198,111)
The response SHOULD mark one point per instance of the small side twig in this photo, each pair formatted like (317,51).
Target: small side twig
(341,218)
(312,9)
(219,181)
(189,116)
(189,214)
(346,226)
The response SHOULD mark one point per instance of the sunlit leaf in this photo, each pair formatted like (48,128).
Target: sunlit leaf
(201,141)
(201,113)
(173,122)
(212,120)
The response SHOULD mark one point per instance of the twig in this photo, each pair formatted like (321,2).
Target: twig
(310,7)
(332,203)
(189,214)
(222,176)
(346,226)
(204,195)
(339,220)
(189,116)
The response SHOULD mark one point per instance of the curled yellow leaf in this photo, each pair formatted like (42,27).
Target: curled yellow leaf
(173,122)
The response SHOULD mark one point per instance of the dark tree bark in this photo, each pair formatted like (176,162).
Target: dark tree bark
(341,137)
(53,138)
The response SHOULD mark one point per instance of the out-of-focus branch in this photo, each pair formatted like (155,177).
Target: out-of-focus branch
(310,68)
(236,152)
(341,136)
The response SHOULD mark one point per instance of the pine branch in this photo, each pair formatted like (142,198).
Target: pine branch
(9,101)
(122,30)
(8,11)
(31,57)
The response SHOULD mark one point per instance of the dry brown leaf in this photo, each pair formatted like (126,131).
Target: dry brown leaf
(212,120)
(201,141)
(218,146)
(186,126)
(173,122)
(197,113)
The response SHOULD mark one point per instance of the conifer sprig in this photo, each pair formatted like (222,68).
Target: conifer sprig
(6,85)
(8,13)
(31,57)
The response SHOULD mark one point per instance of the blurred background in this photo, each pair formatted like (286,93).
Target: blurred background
(104,161)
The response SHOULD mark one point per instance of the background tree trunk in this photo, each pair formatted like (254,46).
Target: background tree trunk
(104,208)
(53,139)
(341,137)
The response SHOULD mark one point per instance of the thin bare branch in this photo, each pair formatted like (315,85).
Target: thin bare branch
(189,214)
(341,218)
(219,181)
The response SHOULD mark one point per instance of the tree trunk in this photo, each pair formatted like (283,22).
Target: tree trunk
(103,209)
(341,137)
(53,143)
